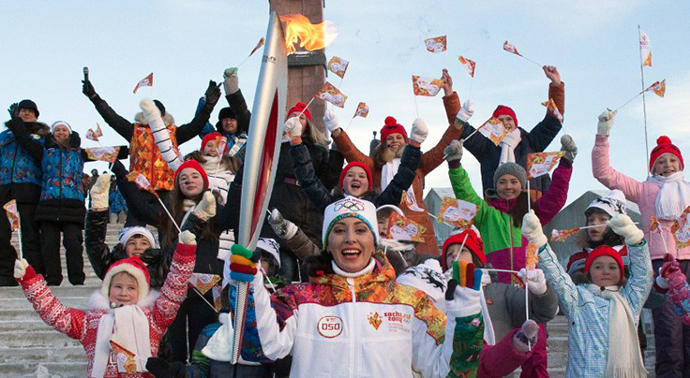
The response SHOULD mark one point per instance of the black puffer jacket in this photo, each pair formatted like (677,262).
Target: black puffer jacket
(101,257)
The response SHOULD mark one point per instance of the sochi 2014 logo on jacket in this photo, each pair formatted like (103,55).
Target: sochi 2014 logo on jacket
(330,326)
(395,320)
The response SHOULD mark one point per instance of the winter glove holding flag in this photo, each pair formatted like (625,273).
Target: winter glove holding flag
(243,263)
(622,225)
(100,192)
(231,82)
(606,119)
(419,131)
(21,268)
(568,146)
(281,226)
(186,237)
(536,282)
(212,94)
(330,120)
(670,274)
(293,128)
(531,229)
(466,111)
(463,293)
(525,337)
(206,208)
(453,153)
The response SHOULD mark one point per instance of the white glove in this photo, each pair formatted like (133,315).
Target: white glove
(281,226)
(536,282)
(231,84)
(568,146)
(466,301)
(466,111)
(622,225)
(293,127)
(526,336)
(331,120)
(606,119)
(186,237)
(531,229)
(150,109)
(419,131)
(454,150)
(206,208)
(100,192)
(20,268)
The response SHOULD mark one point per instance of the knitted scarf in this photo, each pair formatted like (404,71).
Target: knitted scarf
(673,196)
(129,327)
(508,144)
(625,358)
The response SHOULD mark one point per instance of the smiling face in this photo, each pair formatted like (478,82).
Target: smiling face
(596,234)
(210,149)
(191,182)
(508,187)
(61,133)
(137,245)
(604,271)
(351,244)
(28,115)
(123,289)
(356,182)
(666,165)
(229,125)
(395,141)
(508,122)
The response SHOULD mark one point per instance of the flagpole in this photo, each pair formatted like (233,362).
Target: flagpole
(644,102)
(19,230)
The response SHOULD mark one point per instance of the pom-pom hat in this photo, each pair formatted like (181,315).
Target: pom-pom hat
(473,243)
(664,146)
(298,108)
(391,126)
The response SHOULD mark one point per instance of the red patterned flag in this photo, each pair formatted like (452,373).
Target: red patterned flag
(258,46)
(203,282)
(553,109)
(404,229)
(531,258)
(216,291)
(332,94)
(12,214)
(645,49)
(362,110)
(338,66)
(94,135)
(681,230)
(659,88)
(469,64)
(145,82)
(563,235)
(510,48)
(436,44)
(108,154)
(540,163)
(221,144)
(494,130)
(457,212)
(424,86)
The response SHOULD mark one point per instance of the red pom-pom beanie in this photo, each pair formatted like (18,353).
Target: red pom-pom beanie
(664,146)
(392,126)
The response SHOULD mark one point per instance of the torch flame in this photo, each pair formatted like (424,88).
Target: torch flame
(311,36)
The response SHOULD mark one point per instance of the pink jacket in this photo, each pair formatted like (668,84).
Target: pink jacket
(643,194)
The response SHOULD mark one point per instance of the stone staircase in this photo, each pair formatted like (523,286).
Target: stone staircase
(31,348)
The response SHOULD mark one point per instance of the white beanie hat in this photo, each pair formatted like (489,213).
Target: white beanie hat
(349,207)
(58,123)
(612,203)
(128,232)
(427,277)
(271,246)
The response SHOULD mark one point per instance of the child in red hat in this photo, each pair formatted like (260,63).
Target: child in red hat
(126,321)
(664,195)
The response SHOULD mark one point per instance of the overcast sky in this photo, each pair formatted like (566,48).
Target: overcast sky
(185,43)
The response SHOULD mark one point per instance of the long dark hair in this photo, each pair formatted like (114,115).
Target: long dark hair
(518,211)
(176,207)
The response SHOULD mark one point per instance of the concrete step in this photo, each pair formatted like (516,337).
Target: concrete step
(39,368)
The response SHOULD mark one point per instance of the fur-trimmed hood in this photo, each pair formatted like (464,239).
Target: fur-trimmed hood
(98,302)
(167,119)
(38,128)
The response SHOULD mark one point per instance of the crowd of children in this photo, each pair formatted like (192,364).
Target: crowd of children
(333,292)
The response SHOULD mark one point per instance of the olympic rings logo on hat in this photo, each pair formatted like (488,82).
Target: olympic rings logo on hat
(349,205)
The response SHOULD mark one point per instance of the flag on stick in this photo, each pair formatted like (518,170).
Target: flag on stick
(457,212)
(681,230)
(659,88)
(108,154)
(494,130)
(94,135)
(424,86)
(331,94)
(469,64)
(563,235)
(436,44)
(338,66)
(258,46)
(553,109)
(645,49)
(540,163)
(510,48)
(362,110)
(12,214)
(404,229)
(203,282)
(145,82)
